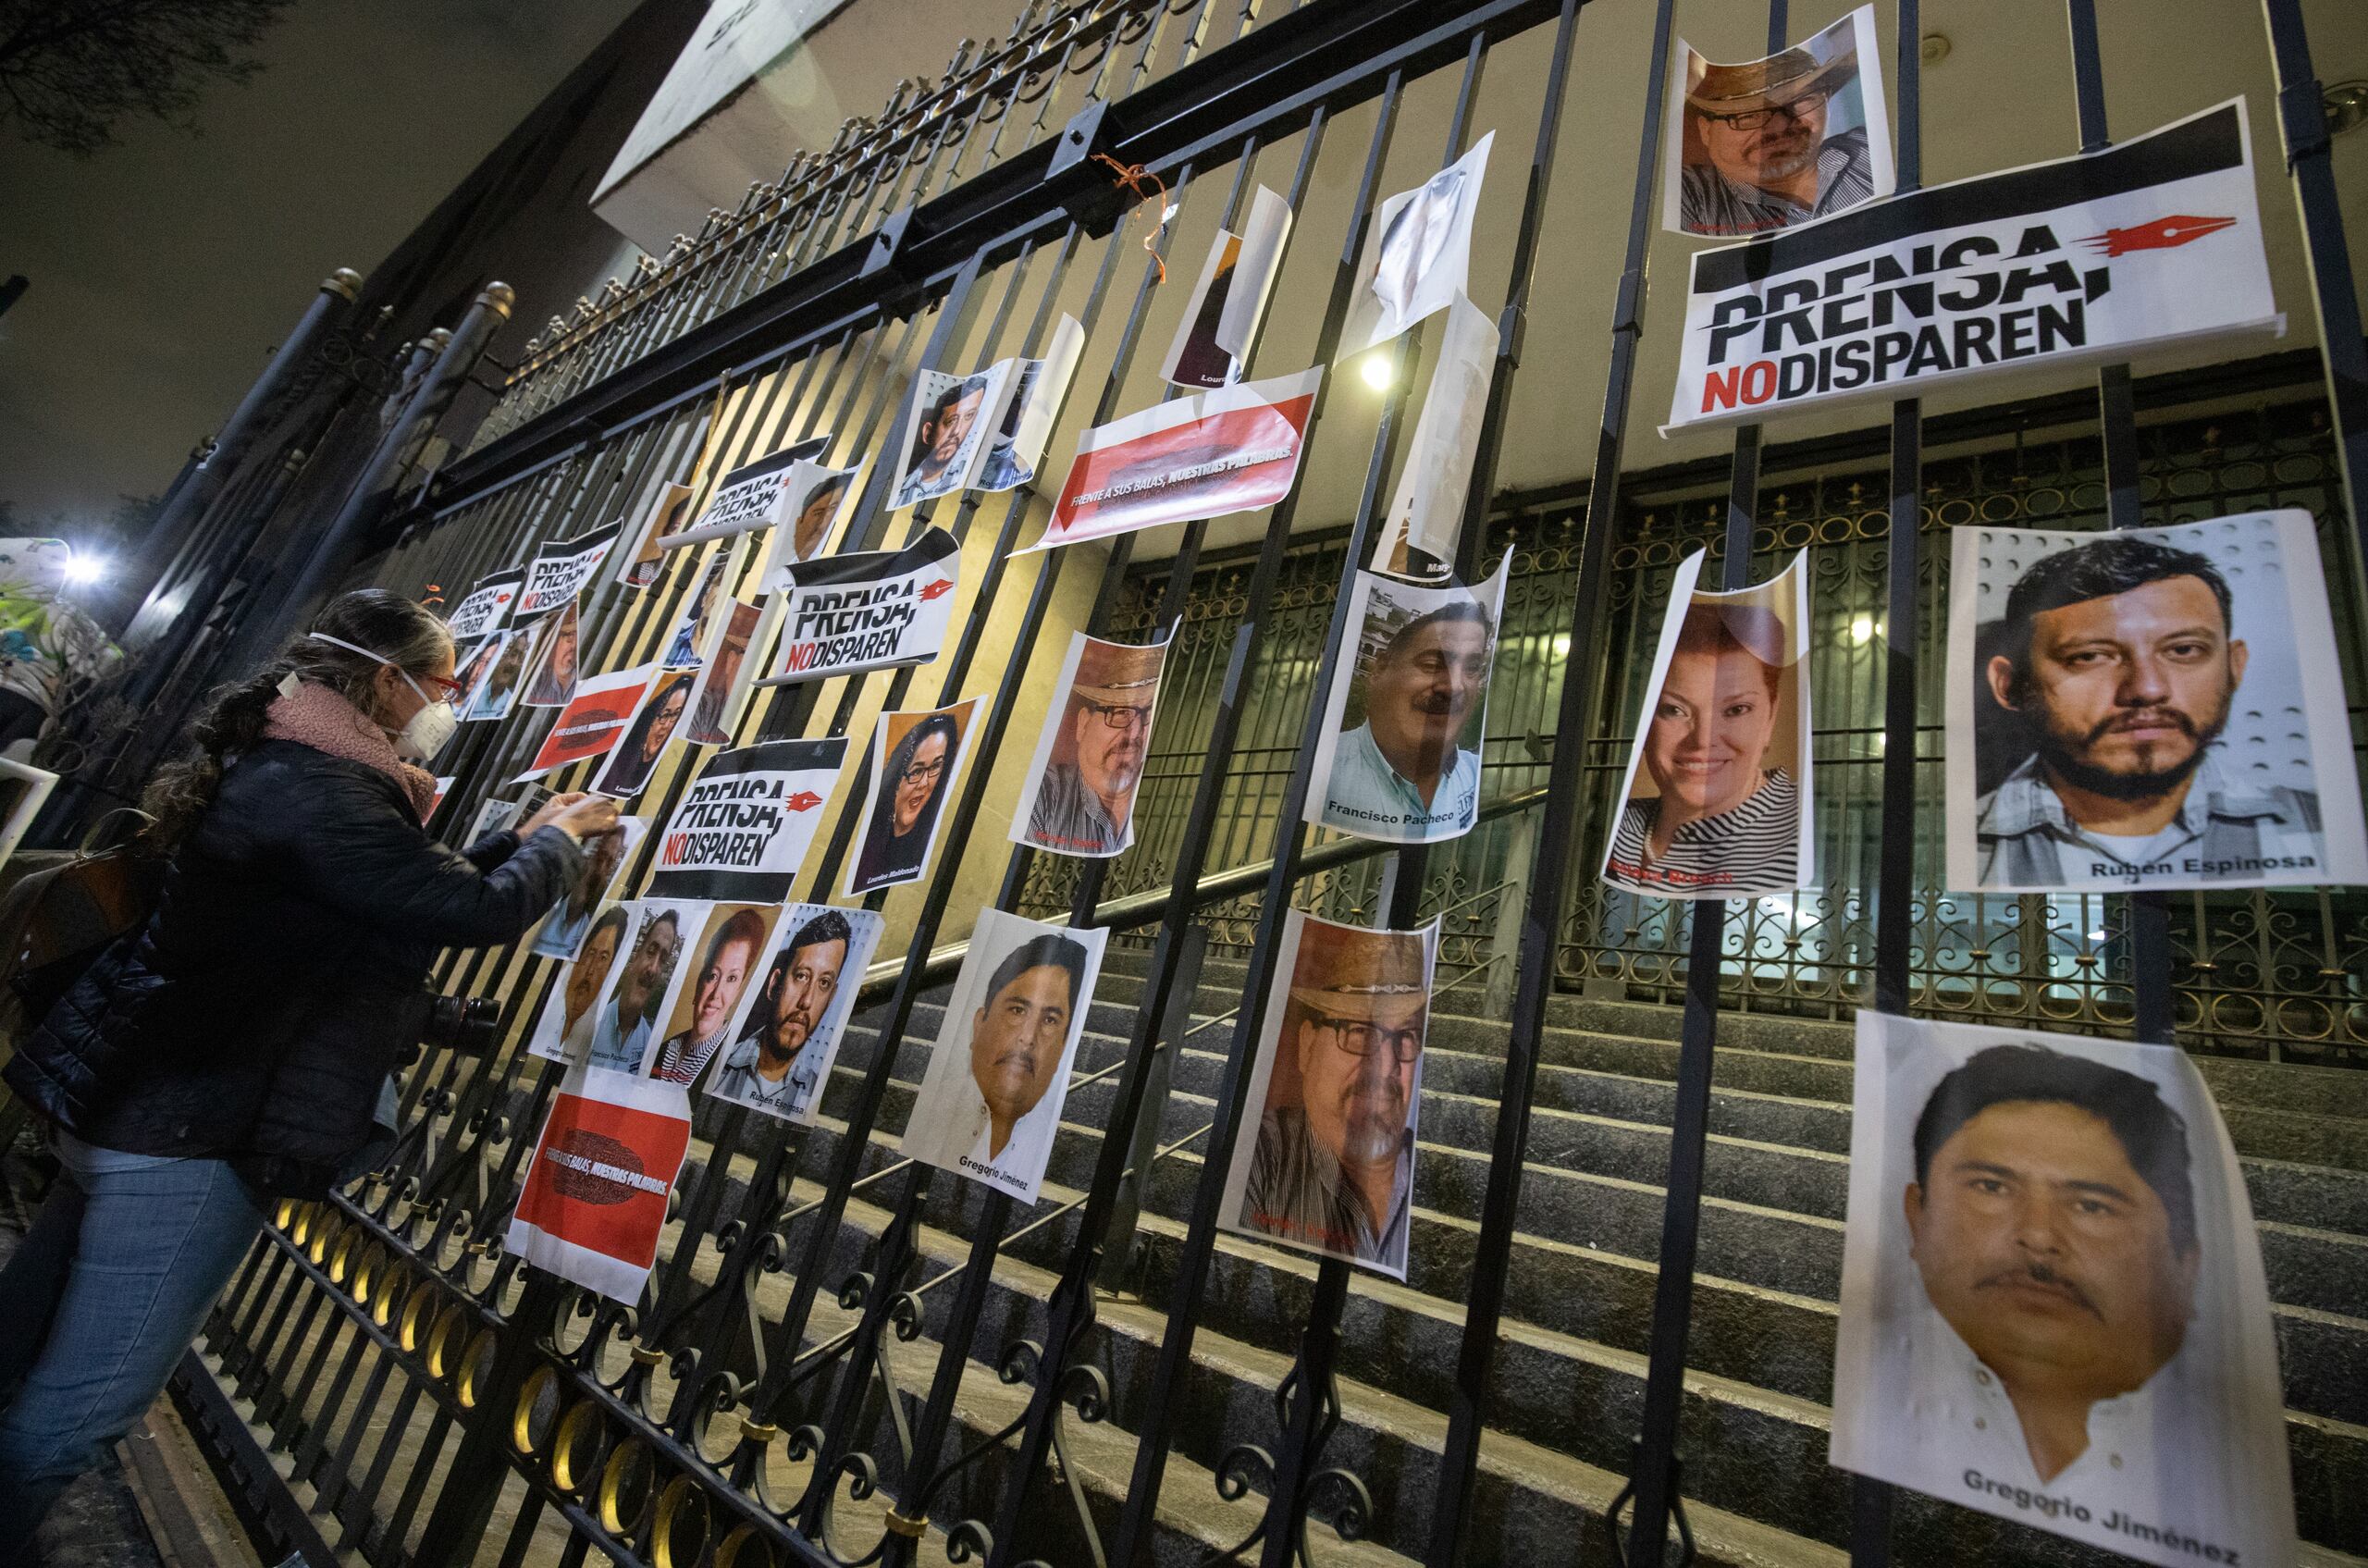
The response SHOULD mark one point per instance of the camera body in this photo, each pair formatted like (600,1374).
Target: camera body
(466,1024)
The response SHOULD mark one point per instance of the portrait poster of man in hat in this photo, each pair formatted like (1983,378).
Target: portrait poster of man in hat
(1329,1165)
(1775,142)
(2054,1302)
(1079,796)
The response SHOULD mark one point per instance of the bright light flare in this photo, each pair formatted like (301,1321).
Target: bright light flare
(1378,371)
(84,569)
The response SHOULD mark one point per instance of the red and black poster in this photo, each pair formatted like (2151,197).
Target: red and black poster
(595,1198)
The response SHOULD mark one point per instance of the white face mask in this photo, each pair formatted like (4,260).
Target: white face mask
(428,728)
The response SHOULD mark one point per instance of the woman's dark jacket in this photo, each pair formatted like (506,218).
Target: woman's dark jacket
(255,1015)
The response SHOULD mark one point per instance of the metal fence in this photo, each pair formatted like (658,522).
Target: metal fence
(812,1375)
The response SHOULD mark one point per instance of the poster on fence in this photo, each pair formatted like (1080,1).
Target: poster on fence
(1716,800)
(717,993)
(755,495)
(560,572)
(563,1030)
(690,632)
(2151,707)
(1206,455)
(1418,254)
(814,501)
(486,607)
(871,611)
(781,1057)
(916,760)
(550,669)
(1079,796)
(1221,319)
(2053,1308)
(945,432)
(1037,389)
(1337,1088)
(592,720)
(743,825)
(717,694)
(1427,512)
(2150,243)
(644,982)
(990,1102)
(1407,711)
(505,671)
(563,929)
(666,512)
(595,1195)
(646,735)
(1778,141)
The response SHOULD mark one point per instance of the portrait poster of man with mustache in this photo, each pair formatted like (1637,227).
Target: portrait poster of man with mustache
(991,1101)
(1778,141)
(2053,1308)
(621,1034)
(551,682)
(2154,707)
(563,929)
(945,432)
(1078,798)
(1717,796)
(1338,1089)
(1407,712)
(780,1055)
(564,1027)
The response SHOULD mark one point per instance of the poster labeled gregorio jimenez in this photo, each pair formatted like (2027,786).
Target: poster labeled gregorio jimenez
(2151,242)
(1233,449)
(560,572)
(871,611)
(595,1195)
(745,824)
(2053,1308)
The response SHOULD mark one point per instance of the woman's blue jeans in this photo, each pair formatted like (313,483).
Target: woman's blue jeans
(111,1284)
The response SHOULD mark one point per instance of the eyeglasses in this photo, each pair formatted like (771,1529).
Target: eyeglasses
(1404,1045)
(1117,715)
(1799,108)
(924,772)
(451,688)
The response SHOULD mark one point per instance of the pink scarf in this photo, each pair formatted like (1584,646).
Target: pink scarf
(321,719)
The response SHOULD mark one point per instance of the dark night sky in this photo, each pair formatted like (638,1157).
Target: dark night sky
(163,270)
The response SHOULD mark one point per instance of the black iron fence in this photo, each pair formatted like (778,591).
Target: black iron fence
(839,1360)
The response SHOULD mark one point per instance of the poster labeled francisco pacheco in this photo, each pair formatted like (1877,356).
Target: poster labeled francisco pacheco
(1337,1088)
(781,1056)
(870,611)
(743,825)
(1078,798)
(484,609)
(560,572)
(1398,756)
(594,1199)
(2054,1307)
(1778,141)
(990,1101)
(2150,243)
(1716,802)
(755,495)
(2149,708)
(1233,449)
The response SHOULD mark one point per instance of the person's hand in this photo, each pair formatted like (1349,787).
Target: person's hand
(588,816)
(548,812)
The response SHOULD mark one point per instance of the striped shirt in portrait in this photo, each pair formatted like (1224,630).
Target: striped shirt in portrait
(1753,846)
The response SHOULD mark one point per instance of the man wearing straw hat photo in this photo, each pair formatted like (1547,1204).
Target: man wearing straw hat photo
(1757,155)
(1085,804)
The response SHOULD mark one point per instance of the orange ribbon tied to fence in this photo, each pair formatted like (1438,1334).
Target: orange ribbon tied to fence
(1133,178)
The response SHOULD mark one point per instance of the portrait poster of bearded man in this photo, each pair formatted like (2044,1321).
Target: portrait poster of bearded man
(551,679)
(1776,142)
(1406,716)
(562,931)
(1328,1166)
(990,1102)
(945,433)
(649,975)
(564,1027)
(781,1056)
(1079,796)
(2151,707)
(1716,800)
(2054,1304)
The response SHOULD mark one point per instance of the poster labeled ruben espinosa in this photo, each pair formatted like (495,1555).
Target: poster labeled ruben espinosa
(1233,449)
(2053,1308)
(1398,756)
(2151,707)
(2152,241)
(744,823)
(1717,799)
(870,611)
(781,1056)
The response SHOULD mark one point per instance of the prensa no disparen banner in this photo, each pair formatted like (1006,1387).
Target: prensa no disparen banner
(2088,258)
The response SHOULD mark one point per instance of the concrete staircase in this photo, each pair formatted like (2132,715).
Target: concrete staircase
(1571,1368)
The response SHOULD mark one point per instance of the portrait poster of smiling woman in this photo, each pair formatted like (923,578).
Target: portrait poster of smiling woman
(1716,798)
(2155,708)
(2053,1308)
(917,761)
